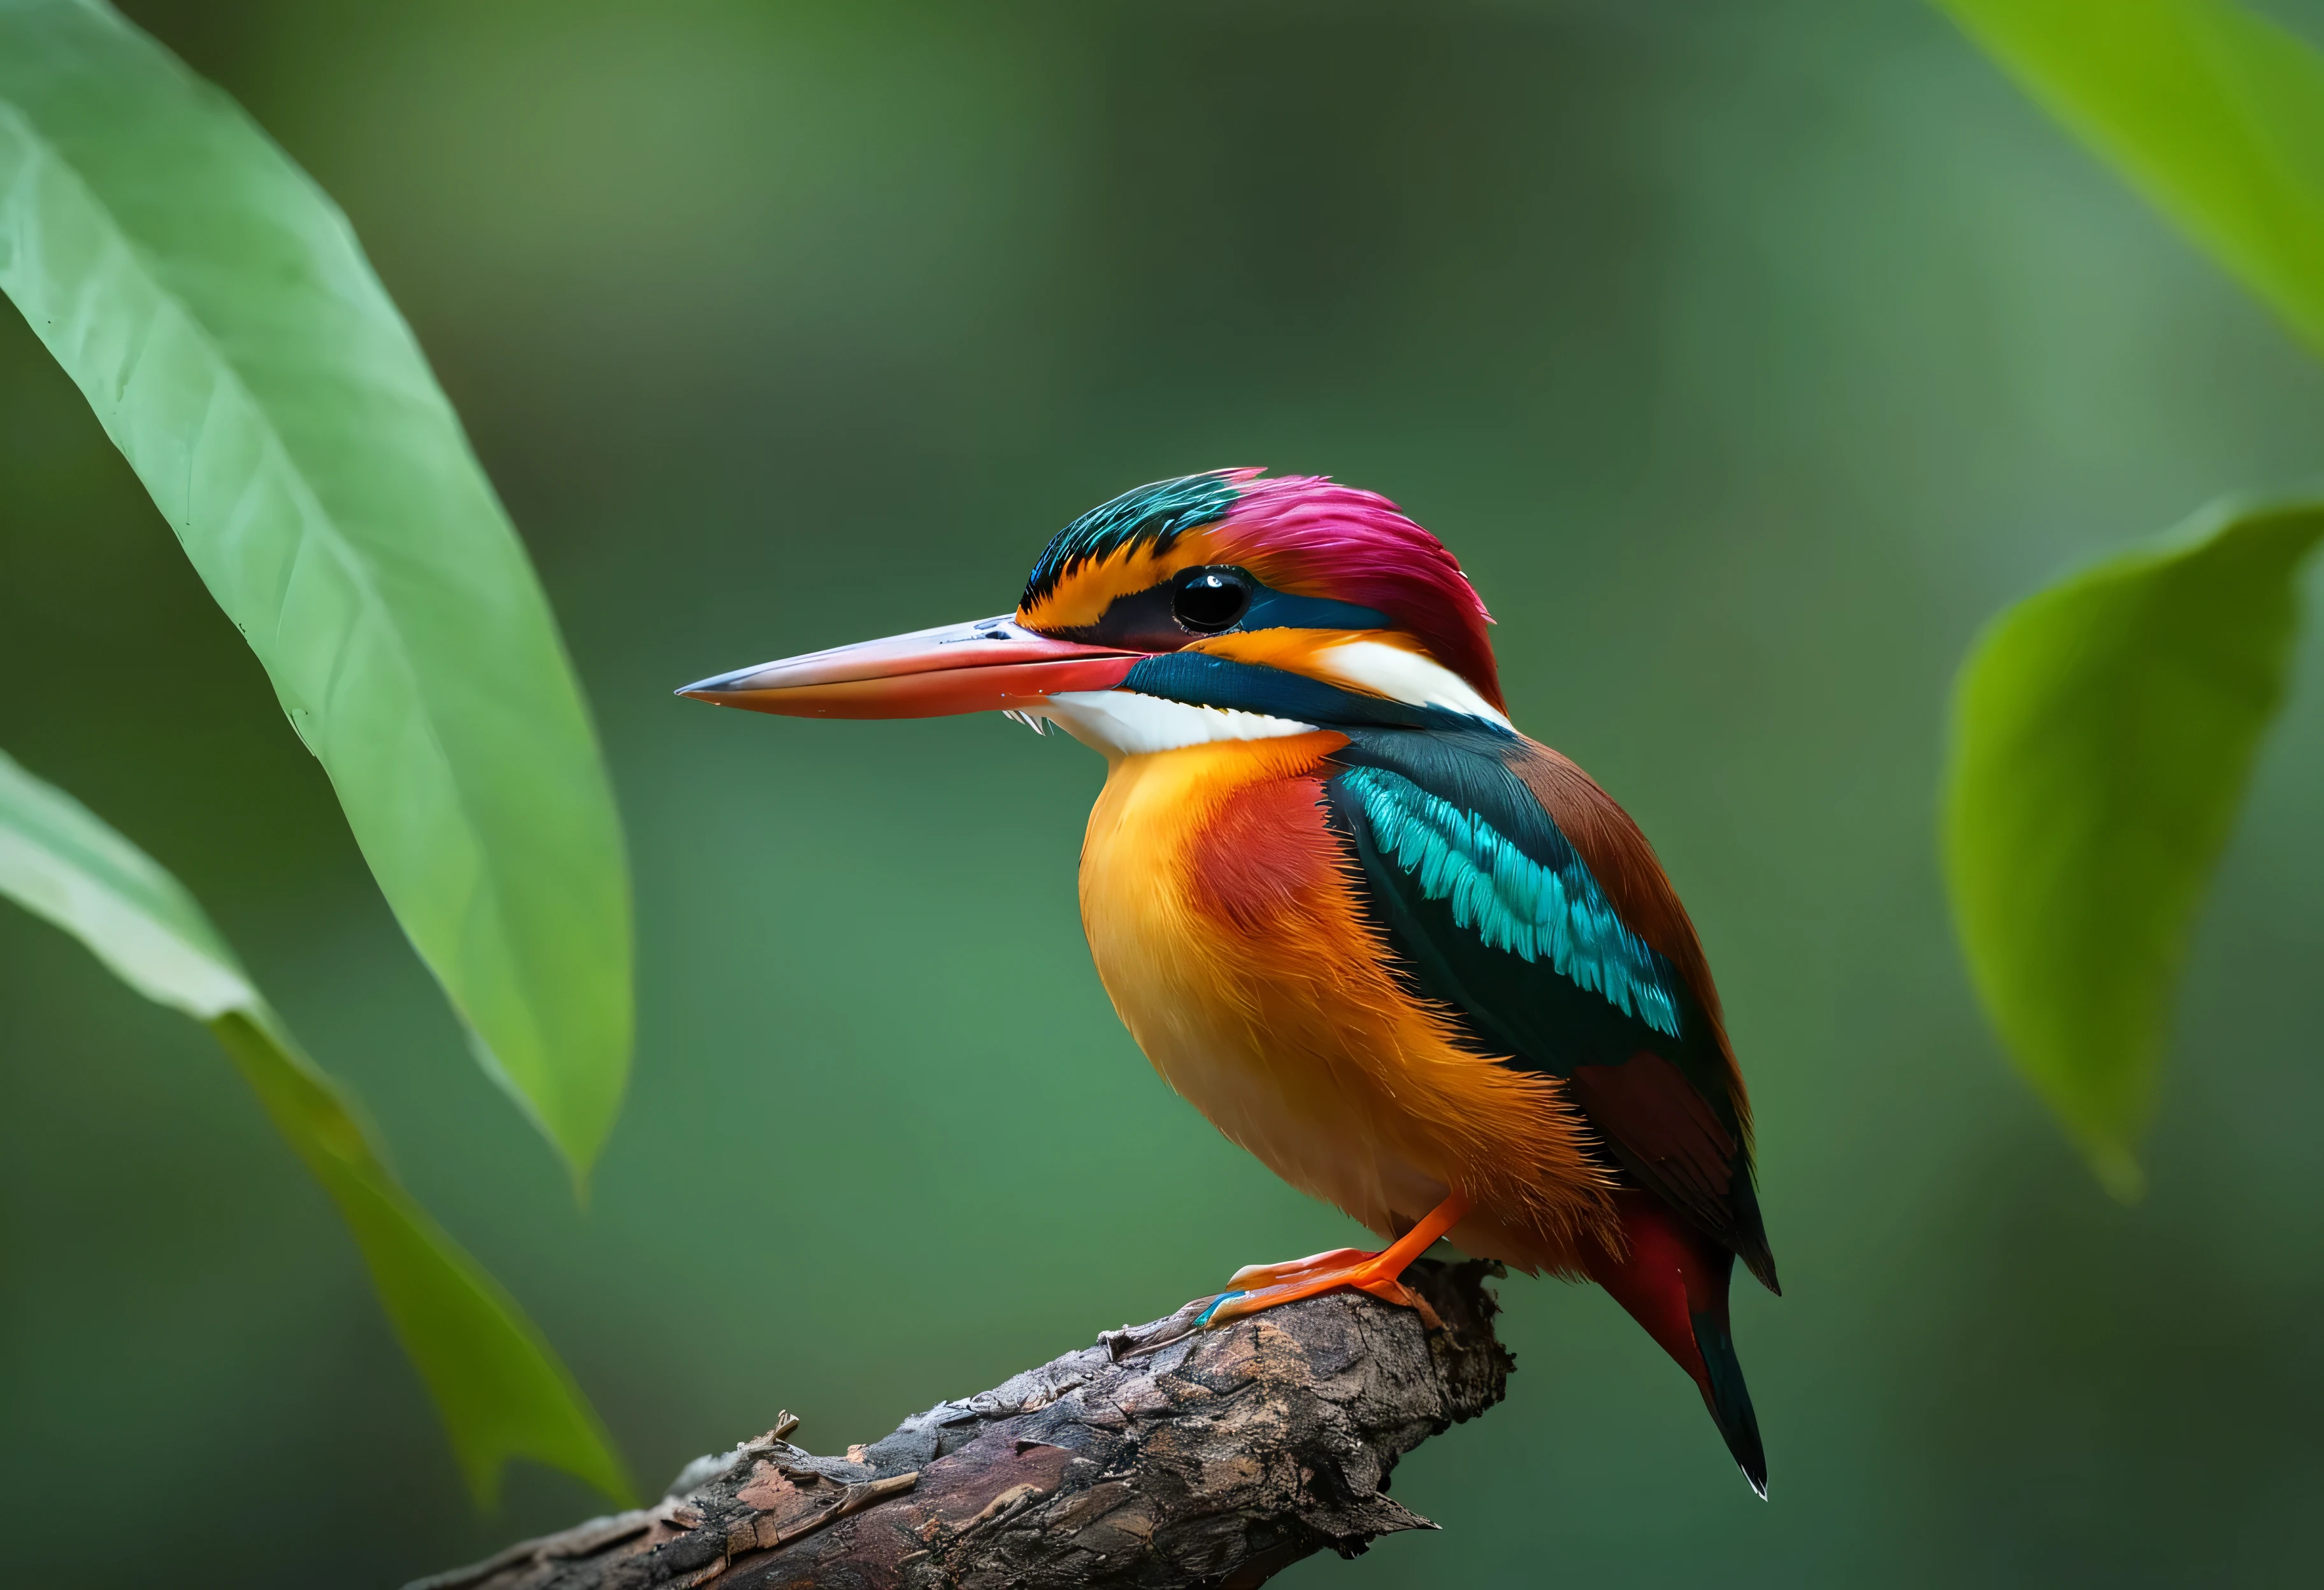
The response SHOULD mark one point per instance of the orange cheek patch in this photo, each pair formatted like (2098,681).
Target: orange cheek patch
(1303,651)
(1263,855)
(1288,650)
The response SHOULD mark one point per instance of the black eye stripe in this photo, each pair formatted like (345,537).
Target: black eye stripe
(1149,620)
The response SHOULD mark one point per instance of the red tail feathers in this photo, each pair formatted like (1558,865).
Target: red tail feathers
(1673,1282)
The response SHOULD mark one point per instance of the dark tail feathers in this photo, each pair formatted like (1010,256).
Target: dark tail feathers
(1728,1399)
(1673,1282)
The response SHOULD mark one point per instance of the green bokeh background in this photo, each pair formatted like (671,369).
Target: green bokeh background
(1750,355)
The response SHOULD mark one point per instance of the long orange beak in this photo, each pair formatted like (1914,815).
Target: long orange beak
(993,665)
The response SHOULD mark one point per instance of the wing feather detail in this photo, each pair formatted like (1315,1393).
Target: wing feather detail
(1622,859)
(1549,909)
(1516,893)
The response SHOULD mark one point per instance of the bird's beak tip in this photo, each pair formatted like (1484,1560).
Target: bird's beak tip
(720,689)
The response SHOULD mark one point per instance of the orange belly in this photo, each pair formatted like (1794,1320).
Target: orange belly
(1225,927)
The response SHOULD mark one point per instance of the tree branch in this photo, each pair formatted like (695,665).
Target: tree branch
(1162,1458)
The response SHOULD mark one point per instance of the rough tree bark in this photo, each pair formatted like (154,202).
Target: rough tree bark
(1161,1458)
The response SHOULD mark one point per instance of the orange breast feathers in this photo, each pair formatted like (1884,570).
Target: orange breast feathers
(1223,916)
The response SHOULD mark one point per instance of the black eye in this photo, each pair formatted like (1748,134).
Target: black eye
(1209,601)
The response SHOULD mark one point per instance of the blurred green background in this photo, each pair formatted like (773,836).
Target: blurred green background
(1749,355)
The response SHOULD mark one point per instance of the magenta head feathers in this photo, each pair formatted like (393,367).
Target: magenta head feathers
(1327,556)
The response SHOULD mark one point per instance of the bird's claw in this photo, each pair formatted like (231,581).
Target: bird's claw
(1258,1277)
(1264,1286)
(1310,1277)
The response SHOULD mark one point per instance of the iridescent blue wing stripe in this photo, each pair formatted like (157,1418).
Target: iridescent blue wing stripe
(1539,909)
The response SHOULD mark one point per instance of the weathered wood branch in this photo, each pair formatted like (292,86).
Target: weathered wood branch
(1161,1458)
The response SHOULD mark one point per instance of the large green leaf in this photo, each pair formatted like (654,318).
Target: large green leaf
(500,1388)
(2215,114)
(215,307)
(2103,734)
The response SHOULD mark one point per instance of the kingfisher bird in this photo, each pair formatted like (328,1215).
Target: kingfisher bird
(1421,965)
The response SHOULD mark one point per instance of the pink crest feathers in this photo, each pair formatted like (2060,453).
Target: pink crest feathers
(1310,536)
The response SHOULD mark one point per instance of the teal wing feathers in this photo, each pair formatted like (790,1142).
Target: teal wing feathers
(1560,947)
(1550,910)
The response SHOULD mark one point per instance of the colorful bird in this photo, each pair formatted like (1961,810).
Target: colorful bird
(1420,965)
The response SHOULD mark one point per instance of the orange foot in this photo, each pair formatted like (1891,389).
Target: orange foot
(1264,1286)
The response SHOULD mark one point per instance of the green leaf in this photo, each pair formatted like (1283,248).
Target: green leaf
(2216,115)
(497,1383)
(2104,732)
(215,307)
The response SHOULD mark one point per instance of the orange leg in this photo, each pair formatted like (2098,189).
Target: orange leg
(1263,1286)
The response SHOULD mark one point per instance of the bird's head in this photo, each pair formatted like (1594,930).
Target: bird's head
(1218,606)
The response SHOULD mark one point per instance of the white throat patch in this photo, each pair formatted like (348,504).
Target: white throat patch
(1124,724)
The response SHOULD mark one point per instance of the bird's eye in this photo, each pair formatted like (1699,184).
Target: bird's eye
(1209,601)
